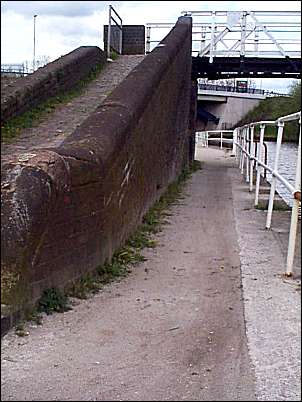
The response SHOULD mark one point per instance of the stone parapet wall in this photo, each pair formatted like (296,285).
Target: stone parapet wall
(56,77)
(66,210)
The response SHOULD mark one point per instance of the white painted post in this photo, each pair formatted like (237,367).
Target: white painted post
(252,160)
(242,39)
(273,183)
(259,168)
(243,148)
(256,41)
(203,38)
(238,148)
(294,216)
(234,150)
(220,139)
(247,176)
(212,36)
(148,35)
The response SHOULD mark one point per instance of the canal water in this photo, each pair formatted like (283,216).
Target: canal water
(287,166)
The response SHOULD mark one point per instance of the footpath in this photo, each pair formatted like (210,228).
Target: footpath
(52,131)
(207,317)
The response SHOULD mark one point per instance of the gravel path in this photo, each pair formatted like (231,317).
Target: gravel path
(173,330)
(64,120)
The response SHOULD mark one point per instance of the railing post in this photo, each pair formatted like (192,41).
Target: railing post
(242,39)
(243,149)
(203,38)
(241,152)
(251,159)
(234,150)
(247,176)
(294,216)
(212,36)
(215,45)
(148,35)
(259,168)
(256,40)
(121,39)
(220,139)
(109,34)
(273,182)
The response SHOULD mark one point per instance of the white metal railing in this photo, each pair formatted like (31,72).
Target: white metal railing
(242,33)
(250,162)
(115,33)
(203,137)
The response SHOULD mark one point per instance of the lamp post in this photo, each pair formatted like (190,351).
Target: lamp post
(34,59)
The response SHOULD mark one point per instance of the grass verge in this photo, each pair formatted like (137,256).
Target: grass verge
(277,207)
(12,128)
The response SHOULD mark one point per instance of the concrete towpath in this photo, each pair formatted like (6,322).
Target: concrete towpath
(175,328)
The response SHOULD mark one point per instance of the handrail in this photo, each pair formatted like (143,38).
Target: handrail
(229,88)
(204,137)
(119,26)
(244,141)
(240,33)
(244,149)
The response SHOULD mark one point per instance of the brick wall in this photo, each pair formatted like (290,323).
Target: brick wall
(50,80)
(133,39)
(66,210)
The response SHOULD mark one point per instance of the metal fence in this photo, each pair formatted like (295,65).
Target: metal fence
(250,163)
(115,33)
(272,94)
(13,70)
(242,33)
(251,154)
(230,88)
(218,136)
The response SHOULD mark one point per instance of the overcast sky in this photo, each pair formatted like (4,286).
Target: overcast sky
(62,26)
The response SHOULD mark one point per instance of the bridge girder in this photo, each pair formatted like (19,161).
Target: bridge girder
(245,67)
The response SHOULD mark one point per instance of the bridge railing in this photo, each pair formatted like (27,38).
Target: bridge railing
(13,70)
(229,88)
(203,137)
(115,32)
(247,33)
(250,163)
(237,33)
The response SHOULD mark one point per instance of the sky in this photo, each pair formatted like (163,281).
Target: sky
(62,26)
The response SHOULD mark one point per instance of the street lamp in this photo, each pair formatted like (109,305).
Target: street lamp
(34,60)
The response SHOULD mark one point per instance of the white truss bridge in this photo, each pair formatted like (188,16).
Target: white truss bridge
(238,33)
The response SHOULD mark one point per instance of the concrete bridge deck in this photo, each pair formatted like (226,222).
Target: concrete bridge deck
(207,317)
